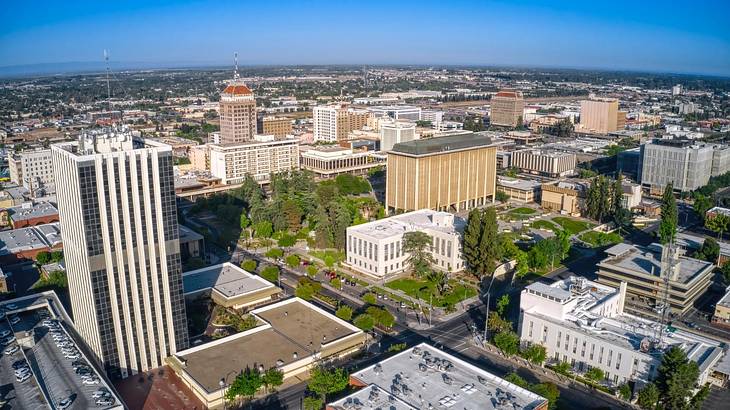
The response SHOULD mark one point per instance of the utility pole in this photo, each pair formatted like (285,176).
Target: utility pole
(486,319)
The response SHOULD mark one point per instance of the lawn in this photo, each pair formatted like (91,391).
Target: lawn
(454,295)
(543,224)
(573,226)
(523,211)
(328,255)
(597,239)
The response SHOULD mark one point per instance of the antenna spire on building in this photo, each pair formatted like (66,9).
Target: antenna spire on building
(108,86)
(235,63)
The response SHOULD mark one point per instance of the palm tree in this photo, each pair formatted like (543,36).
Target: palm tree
(440,279)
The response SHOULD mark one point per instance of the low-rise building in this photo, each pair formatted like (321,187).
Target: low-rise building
(259,158)
(32,169)
(519,190)
(721,315)
(192,244)
(376,249)
(424,377)
(644,270)
(292,336)
(330,161)
(584,324)
(229,286)
(565,197)
(397,112)
(717,210)
(31,214)
(630,195)
(544,162)
(24,244)
(523,137)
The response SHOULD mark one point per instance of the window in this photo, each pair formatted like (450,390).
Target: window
(530,332)
(618,361)
(560,335)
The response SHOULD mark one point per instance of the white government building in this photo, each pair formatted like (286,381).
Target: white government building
(583,323)
(376,248)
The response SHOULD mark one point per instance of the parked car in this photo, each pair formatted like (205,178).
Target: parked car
(11,349)
(20,363)
(24,377)
(11,306)
(5,333)
(101,392)
(90,381)
(65,403)
(105,401)
(14,320)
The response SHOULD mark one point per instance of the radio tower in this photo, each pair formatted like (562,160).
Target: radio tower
(667,271)
(108,86)
(235,66)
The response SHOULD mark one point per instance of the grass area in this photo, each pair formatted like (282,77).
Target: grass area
(237,322)
(328,256)
(412,287)
(543,224)
(597,239)
(571,225)
(523,211)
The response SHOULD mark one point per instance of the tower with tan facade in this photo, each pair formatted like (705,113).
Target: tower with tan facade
(237,112)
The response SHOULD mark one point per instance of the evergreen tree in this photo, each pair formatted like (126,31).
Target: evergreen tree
(617,195)
(470,245)
(489,243)
(668,224)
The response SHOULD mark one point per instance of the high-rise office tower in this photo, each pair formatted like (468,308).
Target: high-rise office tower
(507,108)
(334,122)
(118,216)
(237,112)
(601,115)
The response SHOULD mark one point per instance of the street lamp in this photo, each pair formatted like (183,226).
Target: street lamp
(486,319)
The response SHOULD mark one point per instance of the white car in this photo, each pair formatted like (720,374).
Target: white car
(12,349)
(65,403)
(72,356)
(102,392)
(24,377)
(90,380)
(105,401)
(21,371)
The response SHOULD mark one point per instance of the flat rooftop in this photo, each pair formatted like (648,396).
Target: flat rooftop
(647,261)
(546,153)
(188,235)
(21,240)
(416,220)
(38,210)
(371,397)
(424,377)
(291,330)
(521,184)
(436,145)
(226,278)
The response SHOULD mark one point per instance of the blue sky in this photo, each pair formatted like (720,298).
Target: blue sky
(686,37)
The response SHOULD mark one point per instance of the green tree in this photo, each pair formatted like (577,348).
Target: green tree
(416,244)
(274,253)
(677,378)
(245,384)
(272,378)
(595,374)
(701,205)
(709,251)
(514,378)
(312,270)
(43,258)
(324,381)
(502,304)
(549,391)
(563,368)
(264,229)
(370,298)
(648,398)
(617,193)
(56,256)
(535,354)
(344,312)
(248,265)
(470,244)
(305,291)
(501,196)
(364,322)
(718,223)
(313,403)
(669,218)
(244,221)
(438,278)
(624,391)
(381,316)
(287,240)
(508,342)
(292,213)
(497,324)
(270,273)
(482,246)
(292,261)
(489,243)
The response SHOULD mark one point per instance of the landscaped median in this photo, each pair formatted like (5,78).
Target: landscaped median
(428,291)
(573,226)
(598,239)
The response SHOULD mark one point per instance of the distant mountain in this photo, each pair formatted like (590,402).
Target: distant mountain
(45,69)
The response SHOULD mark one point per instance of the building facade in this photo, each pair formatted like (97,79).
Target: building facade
(601,115)
(118,216)
(328,162)
(394,132)
(686,164)
(375,248)
(450,173)
(279,127)
(334,122)
(397,112)
(584,324)
(32,169)
(258,158)
(519,190)
(237,114)
(544,162)
(507,108)
(565,197)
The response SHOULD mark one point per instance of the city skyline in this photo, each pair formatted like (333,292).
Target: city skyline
(643,37)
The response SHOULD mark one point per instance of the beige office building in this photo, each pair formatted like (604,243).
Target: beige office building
(199,156)
(334,122)
(279,127)
(258,158)
(237,114)
(450,173)
(118,215)
(565,197)
(544,162)
(32,169)
(601,115)
(507,108)
(328,162)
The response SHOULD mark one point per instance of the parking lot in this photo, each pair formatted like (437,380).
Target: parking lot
(17,395)
(54,358)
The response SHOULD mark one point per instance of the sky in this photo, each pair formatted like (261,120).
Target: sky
(641,35)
